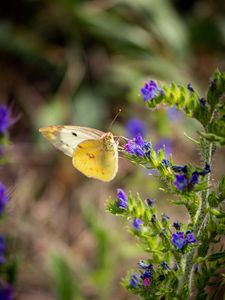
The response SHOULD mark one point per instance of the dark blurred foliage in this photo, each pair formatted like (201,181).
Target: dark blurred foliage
(78,62)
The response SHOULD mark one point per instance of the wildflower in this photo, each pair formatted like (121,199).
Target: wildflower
(180,182)
(6,292)
(202,101)
(206,170)
(180,169)
(3,197)
(190,87)
(134,281)
(193,180)
(4,119)
(137,223)
(212,84)
(165,217)
(145,266)
(190,238)
(150,202)
(178,240)
(165,265)
(177,225)
(150,90)
(138,146)
(146,277)
(166,163)
(153,219)
(135,127)
(122,198)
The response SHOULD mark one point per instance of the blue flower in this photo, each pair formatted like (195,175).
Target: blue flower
(190,238)
(145,266)
(180,169)
(166,163)
(150,90)
(180,182)
(134,281)
(138,147)
(190,87)
(3,197)
(202,101)
(153,218)
(177,225)
(178,240)
(193,180)
(4,119)
(137,223)
(150,202)
(2,249)
(6,292)
(122,199)
(146,277)
(206,170)
(165,265)
(135,127)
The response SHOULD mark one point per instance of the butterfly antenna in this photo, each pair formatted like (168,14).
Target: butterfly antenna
(114,119)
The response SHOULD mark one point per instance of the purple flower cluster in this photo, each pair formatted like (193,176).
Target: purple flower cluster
(135,127)
(144,278)
(181,239)
(150,90)
(4,119)
(122,199)
(138,147)
(3,198)
(182,182)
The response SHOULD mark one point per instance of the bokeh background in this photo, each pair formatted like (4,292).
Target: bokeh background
(79,62)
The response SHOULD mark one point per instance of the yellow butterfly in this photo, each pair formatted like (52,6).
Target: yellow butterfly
(94,153)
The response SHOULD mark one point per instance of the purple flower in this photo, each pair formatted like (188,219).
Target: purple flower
(139,140)
(135,127)
(193,180)
(177,225)
(6,292)
(166,163)
(134,281)
(150,202)
(206,170)
(153,219)
(150,90)
(2,249)
(122,199)
(145,266)
(138,146)
(180,182)
(3,197)
(165,265)
(202,101)
(4,119)
(190,238)
(190,87)
(178,240)
(137,223)
(180,169)
(146,277)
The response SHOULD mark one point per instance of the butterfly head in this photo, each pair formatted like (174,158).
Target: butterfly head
(108,141)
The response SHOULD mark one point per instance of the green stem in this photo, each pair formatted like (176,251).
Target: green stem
(201,221)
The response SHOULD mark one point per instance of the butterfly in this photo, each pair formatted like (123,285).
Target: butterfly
(94,153)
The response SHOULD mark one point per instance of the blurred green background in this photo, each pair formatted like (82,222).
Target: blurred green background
(79,62)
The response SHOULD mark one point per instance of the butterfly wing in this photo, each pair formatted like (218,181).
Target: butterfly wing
(66,138)
(93,159)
